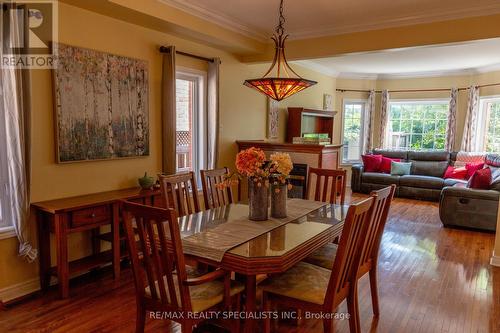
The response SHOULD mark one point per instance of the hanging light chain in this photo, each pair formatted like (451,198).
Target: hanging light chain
(280,29)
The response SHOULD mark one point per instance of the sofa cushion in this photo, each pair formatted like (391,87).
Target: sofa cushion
(422,181)
(480,180)
(385,166)
(380,178)
(428,168)
(400,168)
(429,156)
(472,168)
(401,154)
(371,163)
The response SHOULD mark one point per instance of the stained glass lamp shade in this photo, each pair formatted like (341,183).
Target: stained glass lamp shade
(279,86)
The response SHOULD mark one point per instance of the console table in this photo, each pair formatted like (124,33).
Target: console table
(83,213)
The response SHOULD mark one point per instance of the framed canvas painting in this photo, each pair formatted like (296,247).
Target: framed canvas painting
(101,106)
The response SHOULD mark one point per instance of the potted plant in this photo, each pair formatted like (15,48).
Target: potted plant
(280,167)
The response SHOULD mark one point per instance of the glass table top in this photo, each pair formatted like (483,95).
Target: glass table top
(273,243)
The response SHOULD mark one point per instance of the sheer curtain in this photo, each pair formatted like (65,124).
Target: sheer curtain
(470,127)
(15,108)
(367,135)
(383,119)
(213,113)
(169,119)
(452,121)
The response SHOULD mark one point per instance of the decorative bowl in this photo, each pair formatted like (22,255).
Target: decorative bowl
(146,182)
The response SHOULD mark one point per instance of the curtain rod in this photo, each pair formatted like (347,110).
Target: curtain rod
(415,90)
(164,49)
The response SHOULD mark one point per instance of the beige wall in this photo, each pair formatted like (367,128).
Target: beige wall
(243,116)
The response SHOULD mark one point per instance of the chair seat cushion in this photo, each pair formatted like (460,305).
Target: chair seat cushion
(379,178)
(453,182)
(303,281)
(422,181)
(324,256)
(203,296)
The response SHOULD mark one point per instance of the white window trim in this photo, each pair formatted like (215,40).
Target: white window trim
(199,121)
(480,144)
(419,101)
(7,232)
(362,130)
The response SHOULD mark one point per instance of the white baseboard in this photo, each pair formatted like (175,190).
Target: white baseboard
(495,260)
(19,289)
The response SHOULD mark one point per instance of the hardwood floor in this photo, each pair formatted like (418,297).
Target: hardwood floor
(431,279)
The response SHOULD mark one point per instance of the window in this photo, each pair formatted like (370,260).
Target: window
(5,222)
(352,130)
(190,113)
(417,125)
(489,124)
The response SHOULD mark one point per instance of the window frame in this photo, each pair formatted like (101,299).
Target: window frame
(418,101)
(364,103)
(483,116)
(199,79)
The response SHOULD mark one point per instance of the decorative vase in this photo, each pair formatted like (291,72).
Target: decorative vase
(146,182)
(279,194)
(258,201)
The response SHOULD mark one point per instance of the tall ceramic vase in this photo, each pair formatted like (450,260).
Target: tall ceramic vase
(279,193)
(258,201)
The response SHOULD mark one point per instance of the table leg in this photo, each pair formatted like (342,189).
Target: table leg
(61,227)
(115,230)
(250,303)
(44,250)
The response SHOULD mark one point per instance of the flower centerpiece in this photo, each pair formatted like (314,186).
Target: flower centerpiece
(280,167)
(251,163)
(263,175)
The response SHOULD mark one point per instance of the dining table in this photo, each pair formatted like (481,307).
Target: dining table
(274,247)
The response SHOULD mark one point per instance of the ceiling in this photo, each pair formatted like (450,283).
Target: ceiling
(451,59)
(314,18)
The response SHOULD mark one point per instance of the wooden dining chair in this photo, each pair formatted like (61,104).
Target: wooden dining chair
(161,280)
(316,289)
(180,192)
(213,195)
(330,185)
(325,256)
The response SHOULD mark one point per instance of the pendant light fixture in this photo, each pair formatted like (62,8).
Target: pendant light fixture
(280,81)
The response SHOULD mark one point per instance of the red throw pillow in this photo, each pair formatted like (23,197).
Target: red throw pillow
(480,180)
(371,163)
(456,173)
(385,166)
(472,168)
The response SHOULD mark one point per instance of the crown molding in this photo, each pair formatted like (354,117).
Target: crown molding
(383,23)
(397,22)
(414,75)
(216,18)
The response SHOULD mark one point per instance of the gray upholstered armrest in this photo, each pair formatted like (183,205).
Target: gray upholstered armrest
(470,193)
(356,172)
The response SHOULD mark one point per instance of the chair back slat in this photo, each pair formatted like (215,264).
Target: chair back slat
(213,195)
(348,252)
(380,212)
(180,192)
(162,258)
(330,185)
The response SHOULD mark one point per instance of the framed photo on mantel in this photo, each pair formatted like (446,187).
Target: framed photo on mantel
(272,119)
(101,105)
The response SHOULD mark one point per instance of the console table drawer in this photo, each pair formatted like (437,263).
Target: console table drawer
(90,216)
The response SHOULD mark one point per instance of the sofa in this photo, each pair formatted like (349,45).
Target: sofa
(424,182)
(459,206)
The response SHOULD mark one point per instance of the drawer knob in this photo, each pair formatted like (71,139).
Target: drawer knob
(92,215)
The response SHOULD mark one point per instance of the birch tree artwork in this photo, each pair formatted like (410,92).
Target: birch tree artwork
(101,105)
